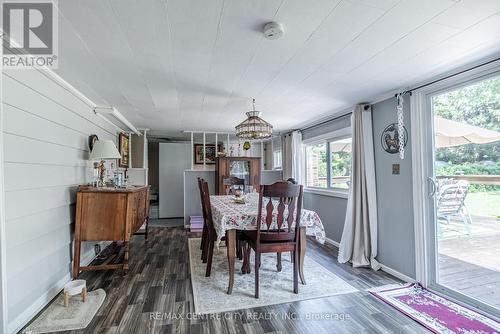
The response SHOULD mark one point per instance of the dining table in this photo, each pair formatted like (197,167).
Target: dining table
(230,215)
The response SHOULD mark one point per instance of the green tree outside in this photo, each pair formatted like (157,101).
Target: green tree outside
(477,104)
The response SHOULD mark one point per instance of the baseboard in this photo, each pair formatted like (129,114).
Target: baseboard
(332,242)
(21,320)
(397,274)
(385,268)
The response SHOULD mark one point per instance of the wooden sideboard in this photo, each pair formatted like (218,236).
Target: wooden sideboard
(109,214)
(247,168)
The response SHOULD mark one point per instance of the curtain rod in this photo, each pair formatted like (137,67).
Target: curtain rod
(327,121)
(409,91)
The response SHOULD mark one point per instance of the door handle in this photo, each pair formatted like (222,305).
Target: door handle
(433,186)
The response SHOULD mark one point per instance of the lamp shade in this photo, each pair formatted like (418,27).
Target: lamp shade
(104,149)
(254,127)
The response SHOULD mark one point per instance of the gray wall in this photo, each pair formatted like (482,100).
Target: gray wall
(137,151)
(396,237)
(331,210)
(268,156)
(270,176)
(46,130)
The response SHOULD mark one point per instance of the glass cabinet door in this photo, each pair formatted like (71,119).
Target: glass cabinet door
(241,170)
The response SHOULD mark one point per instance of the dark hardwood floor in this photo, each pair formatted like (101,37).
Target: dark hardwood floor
(156,297)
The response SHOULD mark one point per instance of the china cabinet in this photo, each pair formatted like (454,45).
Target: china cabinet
(246,168)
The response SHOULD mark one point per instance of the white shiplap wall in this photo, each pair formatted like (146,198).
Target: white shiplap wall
(46,128)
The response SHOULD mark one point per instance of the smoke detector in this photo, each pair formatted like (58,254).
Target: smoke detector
(273,30)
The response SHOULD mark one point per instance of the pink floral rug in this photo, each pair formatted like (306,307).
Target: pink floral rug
(436,313)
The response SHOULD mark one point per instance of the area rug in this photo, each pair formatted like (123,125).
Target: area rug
(275,287)
(436,313)
(57,318)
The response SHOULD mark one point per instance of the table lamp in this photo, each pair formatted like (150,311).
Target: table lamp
(103,150)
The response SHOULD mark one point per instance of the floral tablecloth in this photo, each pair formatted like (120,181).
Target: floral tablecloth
(228,215)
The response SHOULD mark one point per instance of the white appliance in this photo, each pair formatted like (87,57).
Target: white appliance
(174,159)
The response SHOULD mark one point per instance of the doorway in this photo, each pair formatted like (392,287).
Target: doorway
(461,163)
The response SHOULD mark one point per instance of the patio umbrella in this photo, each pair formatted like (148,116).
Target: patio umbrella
(452,133)
(343,145)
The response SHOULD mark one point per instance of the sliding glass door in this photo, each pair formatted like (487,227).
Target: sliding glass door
(463,175)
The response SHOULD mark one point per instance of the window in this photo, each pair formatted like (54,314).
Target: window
(316,166)
(328,164)
(277,159)
(340,156)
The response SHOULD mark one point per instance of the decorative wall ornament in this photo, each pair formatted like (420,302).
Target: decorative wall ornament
(246,145)
(92,140)
(123,148)
(391,139)
(403,133)
(222,151)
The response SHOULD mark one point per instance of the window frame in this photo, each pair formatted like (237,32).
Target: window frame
(278,152)
(304,154)
(326,139)
(329,161)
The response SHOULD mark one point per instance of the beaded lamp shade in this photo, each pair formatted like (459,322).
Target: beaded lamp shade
(254,127)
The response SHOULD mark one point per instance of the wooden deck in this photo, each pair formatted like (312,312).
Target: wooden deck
(470,264)
(475,281)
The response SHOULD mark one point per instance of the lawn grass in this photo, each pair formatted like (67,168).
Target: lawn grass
(484,203)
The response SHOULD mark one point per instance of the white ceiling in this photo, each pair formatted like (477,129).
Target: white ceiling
(195,64)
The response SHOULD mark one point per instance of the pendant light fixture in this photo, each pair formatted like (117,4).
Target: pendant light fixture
(254,127)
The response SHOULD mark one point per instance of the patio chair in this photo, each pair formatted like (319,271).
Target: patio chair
(451,202)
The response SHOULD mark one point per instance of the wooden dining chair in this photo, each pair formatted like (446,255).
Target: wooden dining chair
(283,236)
(207,220)
(204,235)
(211,235)
(230,182)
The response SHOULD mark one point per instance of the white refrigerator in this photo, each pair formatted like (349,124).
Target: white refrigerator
(174,159)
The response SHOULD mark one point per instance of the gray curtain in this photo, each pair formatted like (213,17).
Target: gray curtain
(359,238)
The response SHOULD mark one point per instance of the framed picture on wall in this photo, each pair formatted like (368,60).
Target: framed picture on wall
(209,154)
(123,148)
